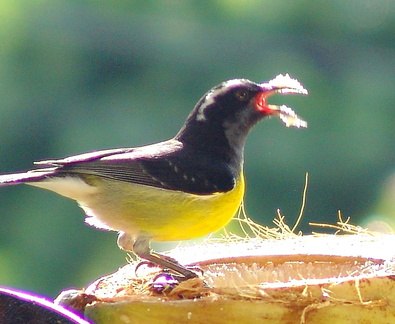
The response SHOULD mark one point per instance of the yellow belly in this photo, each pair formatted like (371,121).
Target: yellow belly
(164,215)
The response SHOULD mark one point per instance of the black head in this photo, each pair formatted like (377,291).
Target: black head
(223,117)
(227,102)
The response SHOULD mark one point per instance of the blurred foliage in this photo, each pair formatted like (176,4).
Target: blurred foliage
(82,75)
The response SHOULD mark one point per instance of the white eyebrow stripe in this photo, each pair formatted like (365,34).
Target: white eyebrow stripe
(210,97)
(233,82)
(208,101)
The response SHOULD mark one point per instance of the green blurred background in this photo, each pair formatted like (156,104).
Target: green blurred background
(82,75)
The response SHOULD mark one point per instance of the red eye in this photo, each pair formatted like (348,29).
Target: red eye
(242,95)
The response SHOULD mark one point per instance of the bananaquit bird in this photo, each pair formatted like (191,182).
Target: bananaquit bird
(178,189)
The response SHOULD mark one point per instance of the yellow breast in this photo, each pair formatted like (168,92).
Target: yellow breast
(164,215)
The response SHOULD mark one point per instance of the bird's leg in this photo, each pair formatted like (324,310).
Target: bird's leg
(141,248)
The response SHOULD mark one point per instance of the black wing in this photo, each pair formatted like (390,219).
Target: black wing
(170,168)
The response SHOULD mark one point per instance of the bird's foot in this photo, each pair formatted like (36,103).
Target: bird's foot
(167,280)
(192,270)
